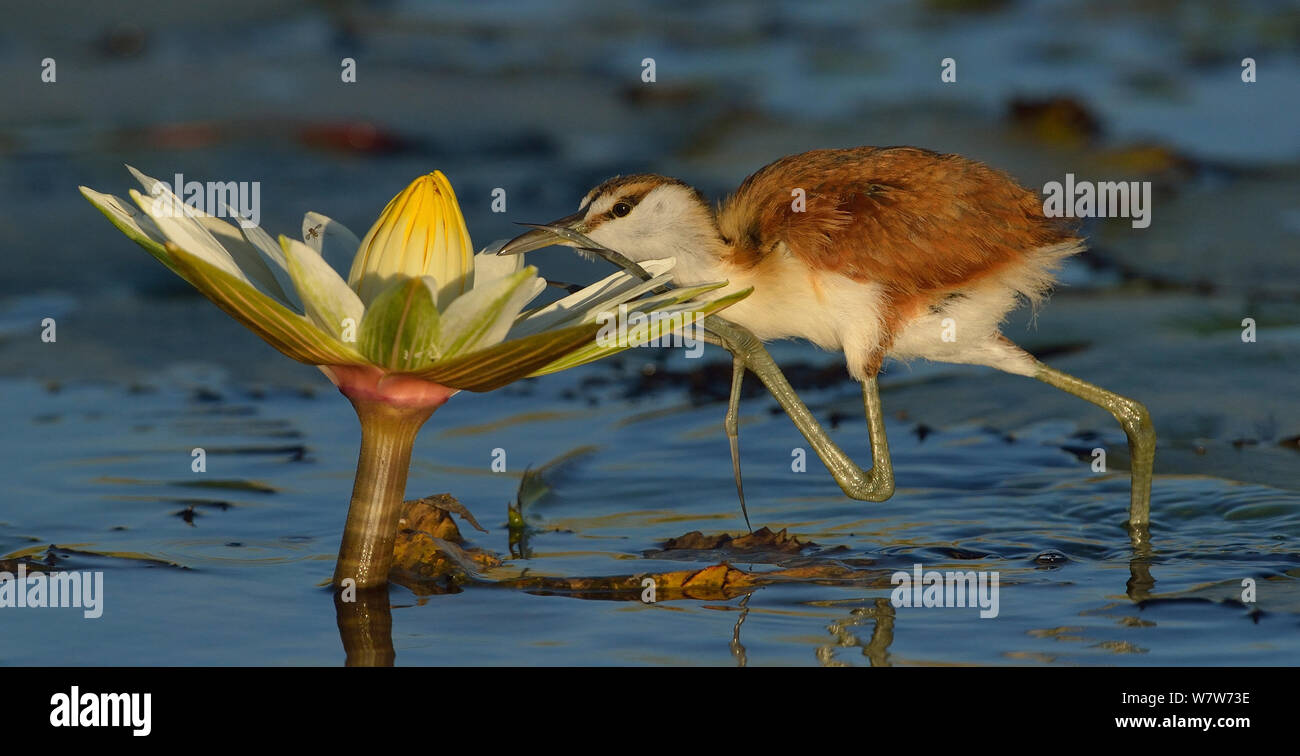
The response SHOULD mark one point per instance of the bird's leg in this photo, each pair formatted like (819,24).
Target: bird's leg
(876,485)
(1136,422)
(732,425)
(882,467)
(748,351)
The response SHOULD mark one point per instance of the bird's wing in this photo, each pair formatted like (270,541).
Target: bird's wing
(912,220)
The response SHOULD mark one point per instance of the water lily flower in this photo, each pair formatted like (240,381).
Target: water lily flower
(419,318)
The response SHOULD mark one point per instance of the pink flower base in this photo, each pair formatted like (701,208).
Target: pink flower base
(370,384)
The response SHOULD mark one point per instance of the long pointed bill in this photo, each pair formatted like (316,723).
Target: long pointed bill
(544,235)
(567,232)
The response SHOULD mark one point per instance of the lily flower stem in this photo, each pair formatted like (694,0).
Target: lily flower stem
(387,434)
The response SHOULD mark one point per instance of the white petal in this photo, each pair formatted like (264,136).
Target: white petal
(148,182)
(326,297)
(333,240)
(127,214)
(273,256)
(482,317)
(253,251)
(177,222)
(489,266)
(608,292)
(539,286)
(246,255)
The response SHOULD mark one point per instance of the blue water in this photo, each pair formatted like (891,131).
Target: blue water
(994,472)
(239,581)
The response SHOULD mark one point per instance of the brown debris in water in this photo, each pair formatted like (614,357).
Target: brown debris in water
(762,539)
(428,513)
(431,557)
(715,582)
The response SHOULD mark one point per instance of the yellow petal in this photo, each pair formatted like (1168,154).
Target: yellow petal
(421,232)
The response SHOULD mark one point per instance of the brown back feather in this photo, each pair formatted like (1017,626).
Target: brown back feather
(913,220)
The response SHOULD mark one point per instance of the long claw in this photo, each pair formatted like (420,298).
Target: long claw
(732,426)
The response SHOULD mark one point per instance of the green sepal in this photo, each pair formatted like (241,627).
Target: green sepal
(399,331)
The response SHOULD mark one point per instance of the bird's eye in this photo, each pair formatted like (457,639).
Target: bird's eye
(621,209)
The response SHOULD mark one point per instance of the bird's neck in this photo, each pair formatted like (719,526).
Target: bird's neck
(699,250)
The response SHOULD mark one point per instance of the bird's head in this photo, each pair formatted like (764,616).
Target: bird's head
(643,217)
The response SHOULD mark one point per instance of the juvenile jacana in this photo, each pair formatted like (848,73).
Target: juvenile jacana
(877,252)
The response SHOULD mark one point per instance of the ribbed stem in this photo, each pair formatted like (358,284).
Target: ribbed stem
(387,435)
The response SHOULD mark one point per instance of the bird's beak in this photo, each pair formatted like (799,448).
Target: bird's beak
(569,231)
(545,235)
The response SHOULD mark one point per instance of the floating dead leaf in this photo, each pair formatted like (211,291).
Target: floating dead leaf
(763,539)
(429,514)
(428,556)
(30,566)
(716,582)
(431,557)
(430,565)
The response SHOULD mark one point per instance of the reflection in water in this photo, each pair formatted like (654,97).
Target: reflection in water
(882,635)
(1138,588)
(366,627)
(1140,581)
(366,624)
(737,648)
